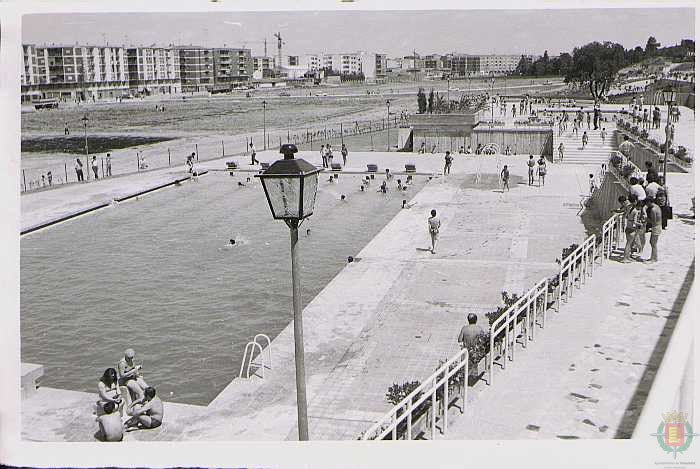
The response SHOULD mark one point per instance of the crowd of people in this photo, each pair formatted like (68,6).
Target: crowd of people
(124,391)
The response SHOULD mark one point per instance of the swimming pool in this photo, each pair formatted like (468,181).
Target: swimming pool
(158,274)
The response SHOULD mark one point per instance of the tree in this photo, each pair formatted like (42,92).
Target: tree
(431,101)
(421,101)
(652,46)
(595,65)
(523,66)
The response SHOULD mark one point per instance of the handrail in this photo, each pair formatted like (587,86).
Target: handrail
(672,389)
(575,267)
(428,389)
(250,346)
(510,318)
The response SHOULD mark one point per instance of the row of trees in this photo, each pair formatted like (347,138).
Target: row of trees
(595,65)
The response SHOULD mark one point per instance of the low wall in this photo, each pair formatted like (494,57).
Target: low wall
(442,132)
(643,153)
(605,197)
(535,141)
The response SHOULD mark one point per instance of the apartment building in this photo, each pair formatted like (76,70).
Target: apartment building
(231,67)
(153,70)
(373,65)
(264,67)
(73,72)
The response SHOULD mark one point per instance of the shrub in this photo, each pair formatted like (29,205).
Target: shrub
(671,151)
(644,134)
(627,170)
(681,152)
(397,393)
(653,142)
(616,160)
(635,130)
(479,348)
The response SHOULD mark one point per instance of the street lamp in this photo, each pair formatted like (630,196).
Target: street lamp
(493,82)
(87,155)
(290,187)
(264,103)
(669,98)
(388,107)
(448,93)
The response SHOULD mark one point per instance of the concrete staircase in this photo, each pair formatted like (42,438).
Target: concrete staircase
(596,152)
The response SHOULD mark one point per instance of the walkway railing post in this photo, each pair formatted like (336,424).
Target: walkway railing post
(65,169)
(433,411)
(168,157)
(196,150)
(446,403)
(24,178)
(223,149)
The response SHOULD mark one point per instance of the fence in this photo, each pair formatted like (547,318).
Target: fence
(362,134)
(414,415)
(519,320)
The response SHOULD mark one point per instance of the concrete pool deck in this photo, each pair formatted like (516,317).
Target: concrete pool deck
(394,314)
(394,301)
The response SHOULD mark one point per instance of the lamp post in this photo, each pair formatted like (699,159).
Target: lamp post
(87,154)
(669,98)
(264,103)
(388,107)
(493,82)
(290,187)
(448,93)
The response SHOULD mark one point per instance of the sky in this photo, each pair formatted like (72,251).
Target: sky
(395,33)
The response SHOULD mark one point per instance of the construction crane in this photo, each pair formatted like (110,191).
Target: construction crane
(279,53)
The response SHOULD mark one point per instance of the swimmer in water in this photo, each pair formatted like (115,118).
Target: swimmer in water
(405,204)
(342,197)
(382,188)
(398,184)
(308,232)
(232,241)
(240,184)
(362,187)
(247,179)
(330,179)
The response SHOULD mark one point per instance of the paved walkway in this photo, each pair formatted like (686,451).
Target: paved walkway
(588,372)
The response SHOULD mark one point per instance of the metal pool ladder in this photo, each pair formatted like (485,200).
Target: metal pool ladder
(248,353)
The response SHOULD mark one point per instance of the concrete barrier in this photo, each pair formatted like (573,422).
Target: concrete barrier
(31,372)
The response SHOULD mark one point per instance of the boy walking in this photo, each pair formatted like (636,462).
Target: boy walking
(433,229)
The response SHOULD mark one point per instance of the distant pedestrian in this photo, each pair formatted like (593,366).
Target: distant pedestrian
(531,171)
(253,153)
(95,167)
(505,176)
(448,163)
(603,134)
(49,177)
(433,229)
(561,151)
(79,170)
(631,222)
(541,171)
(189,163)
(642,219)
(66,130)
(592,186)
(588,120)
(584,140)
(108,164)
(601,174)
(344,153)
(329,154)
(324,156)
(662,202)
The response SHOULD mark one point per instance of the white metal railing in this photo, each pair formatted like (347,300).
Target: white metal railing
(673,387)
(401,415)
(520,317)
(248,353)
(575,267)
(523,313)
(611,235)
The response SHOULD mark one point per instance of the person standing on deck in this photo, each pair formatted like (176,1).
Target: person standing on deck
(344,153)
(531,171)
(433,229)
(505,176)
(108,164)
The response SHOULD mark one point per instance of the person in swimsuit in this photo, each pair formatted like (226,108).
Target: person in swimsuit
(147,412)
(434,229)
(130,375)
(108,390)
(505,175)
(111,428)
(541,170)
(531,171)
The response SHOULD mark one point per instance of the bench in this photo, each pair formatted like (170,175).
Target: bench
(264,166)
(336,167)
(31,373)
(230,165)
(372,168)
(410,168)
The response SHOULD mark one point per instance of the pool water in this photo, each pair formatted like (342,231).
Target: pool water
(158,274)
